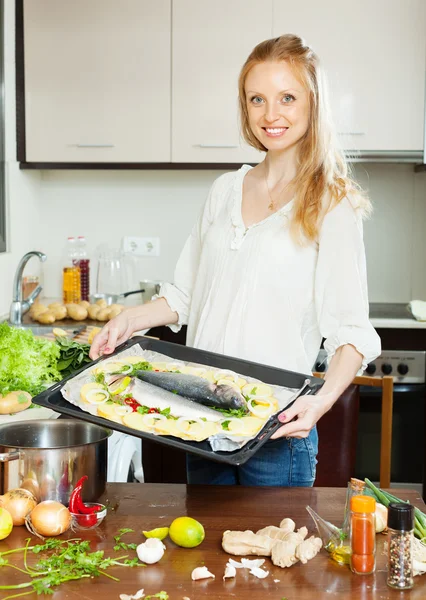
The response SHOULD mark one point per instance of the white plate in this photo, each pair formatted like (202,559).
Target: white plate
(31,414)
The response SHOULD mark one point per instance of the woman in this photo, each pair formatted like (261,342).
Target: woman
(275,263)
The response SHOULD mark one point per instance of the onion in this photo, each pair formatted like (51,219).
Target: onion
(180,423)
(48,518)
(146,419)
(122,410)
(257,411)
(19,503)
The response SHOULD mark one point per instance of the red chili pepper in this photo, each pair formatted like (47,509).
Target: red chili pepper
(132,403)
(76,504)
(153,410)
(87,520)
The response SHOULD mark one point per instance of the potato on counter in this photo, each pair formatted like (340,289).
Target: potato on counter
(46,317)
(76,312)
(14,402)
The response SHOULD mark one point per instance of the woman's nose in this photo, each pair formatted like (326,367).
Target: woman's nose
(271,112)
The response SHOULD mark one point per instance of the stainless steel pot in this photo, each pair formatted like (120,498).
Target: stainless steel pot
(48,458)
(149,288)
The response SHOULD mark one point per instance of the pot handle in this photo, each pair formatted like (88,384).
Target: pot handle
(8,456)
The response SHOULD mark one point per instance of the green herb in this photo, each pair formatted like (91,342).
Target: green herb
(119,545)
(140,366)
(73,355)
(232,412)
(165,411)
(68,560)
(253,391)
(225,425)
(100,378)
(27,363)
(142,410)
(161,595)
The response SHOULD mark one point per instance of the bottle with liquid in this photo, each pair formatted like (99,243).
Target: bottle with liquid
(82,261)
(363,535)
(71,291)
(400,542)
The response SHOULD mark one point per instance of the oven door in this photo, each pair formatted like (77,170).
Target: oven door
(408,430)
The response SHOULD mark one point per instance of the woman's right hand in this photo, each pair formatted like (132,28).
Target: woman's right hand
(114,333)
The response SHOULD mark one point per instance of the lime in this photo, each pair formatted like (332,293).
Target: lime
(160,533)
(6,523)
(119,386)
(186,532)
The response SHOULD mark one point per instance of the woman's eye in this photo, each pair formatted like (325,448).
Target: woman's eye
(287,98)
(256,100)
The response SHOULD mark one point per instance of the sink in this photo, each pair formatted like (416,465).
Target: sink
(46,329)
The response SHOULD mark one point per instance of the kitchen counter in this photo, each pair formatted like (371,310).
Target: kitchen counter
(145,506)
(388,315)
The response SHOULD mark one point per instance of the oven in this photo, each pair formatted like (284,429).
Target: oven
(408,369)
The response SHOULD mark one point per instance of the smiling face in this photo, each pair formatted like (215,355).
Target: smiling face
(277,105)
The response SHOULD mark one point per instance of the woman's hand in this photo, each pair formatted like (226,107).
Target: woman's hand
(308,410)
(114,333)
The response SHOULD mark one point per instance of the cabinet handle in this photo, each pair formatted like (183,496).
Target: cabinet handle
(215,146)
(95,145)
(351,133)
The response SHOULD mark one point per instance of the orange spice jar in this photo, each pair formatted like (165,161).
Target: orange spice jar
(363,535)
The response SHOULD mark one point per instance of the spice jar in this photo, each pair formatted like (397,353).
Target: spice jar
(400,541)
(363,535)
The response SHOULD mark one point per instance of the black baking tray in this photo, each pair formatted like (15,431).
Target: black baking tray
(52,398)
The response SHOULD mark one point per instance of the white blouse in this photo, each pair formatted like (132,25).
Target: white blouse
(253,293)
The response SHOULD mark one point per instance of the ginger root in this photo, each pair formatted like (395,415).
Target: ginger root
(246,543)
(276,533)
(308,549)
(284,553)
(288,525)
(296,537)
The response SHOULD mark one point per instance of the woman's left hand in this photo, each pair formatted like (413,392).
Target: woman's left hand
(308,410)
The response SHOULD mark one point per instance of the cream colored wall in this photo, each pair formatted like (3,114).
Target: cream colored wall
(46,207)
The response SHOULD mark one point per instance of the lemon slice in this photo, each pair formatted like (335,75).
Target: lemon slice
(257,390)
(159,532)
(118,387)
(58,332)
(107,411)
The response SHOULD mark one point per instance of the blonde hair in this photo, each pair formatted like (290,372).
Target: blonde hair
(323,178)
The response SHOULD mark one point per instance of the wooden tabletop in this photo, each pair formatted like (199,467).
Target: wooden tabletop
(145,506)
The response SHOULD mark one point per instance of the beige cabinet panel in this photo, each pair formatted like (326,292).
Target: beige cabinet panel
(97,80)
(211,41)
(374,55)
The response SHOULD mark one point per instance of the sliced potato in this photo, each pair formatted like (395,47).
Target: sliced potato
(257,390)
(198,432)
(135,421)
(228,382)
(169,427)
(107,411)
(14,402)
(245,425)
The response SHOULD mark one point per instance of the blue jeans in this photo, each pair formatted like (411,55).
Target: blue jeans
(281,463)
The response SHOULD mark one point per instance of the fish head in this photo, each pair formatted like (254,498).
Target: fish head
(230,396)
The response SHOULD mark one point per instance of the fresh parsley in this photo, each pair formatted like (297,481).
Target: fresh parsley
(119,545)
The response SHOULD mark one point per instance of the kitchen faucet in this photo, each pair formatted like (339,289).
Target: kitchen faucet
(19,304)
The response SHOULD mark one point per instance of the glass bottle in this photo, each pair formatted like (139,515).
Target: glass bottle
(71,292)
(400,545)
(81,260)
(363,535)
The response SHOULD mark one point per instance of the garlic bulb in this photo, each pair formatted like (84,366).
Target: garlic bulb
(150,551)
(381,517)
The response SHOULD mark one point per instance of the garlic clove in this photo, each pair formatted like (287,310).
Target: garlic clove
(201,573)
(230,571)
(139,594)
(150,551)
(235,563)
(252,563)
(258,572)
(381,515)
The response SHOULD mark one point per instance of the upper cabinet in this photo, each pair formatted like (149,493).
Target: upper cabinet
(155,81)
(211,42)
(373,52)
(97,80)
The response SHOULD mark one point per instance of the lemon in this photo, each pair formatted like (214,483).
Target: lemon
(119,386)
(186,532)
(92,334)
(6,523)
(160,533)
(58,332)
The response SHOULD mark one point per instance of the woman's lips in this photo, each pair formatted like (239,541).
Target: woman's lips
(275,131)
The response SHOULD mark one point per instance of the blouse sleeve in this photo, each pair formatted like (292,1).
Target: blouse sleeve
(341,295)
(178,294)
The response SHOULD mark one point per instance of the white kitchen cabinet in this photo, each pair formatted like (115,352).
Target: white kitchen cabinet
(97,80)
(374,55)
(211,41)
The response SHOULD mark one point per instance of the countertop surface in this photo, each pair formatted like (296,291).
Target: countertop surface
(145,506)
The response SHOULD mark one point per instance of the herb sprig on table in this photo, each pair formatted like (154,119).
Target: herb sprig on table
(69,560)
(119,545)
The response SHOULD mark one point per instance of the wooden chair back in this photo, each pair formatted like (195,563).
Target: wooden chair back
(339,427)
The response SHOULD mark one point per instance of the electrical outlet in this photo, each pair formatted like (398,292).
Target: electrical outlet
(142,246)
